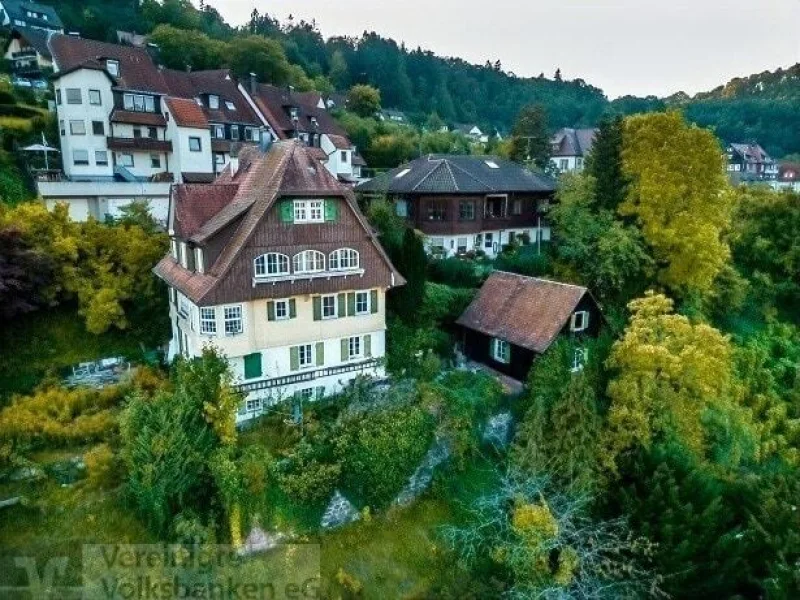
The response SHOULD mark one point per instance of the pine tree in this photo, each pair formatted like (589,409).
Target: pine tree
(412,264)
(605,165)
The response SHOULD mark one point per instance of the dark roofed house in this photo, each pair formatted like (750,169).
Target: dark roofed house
(275,265)
(750,163)
(22,13)
(468,204)
(514,319)
(28,53)
(570,147)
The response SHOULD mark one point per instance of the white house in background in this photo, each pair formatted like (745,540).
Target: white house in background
(473,133)
(570,147)
(27,52)
(22,13)
(274,265)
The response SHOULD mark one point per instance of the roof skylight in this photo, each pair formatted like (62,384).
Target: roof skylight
(491,164)
(402,173)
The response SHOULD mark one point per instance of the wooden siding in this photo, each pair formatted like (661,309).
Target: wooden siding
(272,235)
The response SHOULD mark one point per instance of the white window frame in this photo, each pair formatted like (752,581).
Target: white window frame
(213,102)
(208,324)
(363,298)
(95,94)
(284,306)
(344,259)
(501,351)
(269,265)
(123,161)
(77,127)
(112,66)
(155,160)
(253,405)
(302,262)
(355,347)
(583,317)
(98,161)
(305,362)
(579,358)
(229,317)
(80,162)
(218,132)
(194,138)
(309,211)
(333,304)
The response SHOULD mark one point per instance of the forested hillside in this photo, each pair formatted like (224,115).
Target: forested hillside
(760,107)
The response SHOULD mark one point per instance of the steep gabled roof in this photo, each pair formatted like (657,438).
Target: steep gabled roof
(275,103)
(457,174)
(18,9)
(525,311)
(751,152)
(573,142)
(220,82)
(241,201)
(36,39)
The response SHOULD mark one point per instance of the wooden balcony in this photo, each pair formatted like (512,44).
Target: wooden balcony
(142,144)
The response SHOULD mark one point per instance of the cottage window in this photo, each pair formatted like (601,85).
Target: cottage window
(304,356)
(94,98)
(208,321)
(252,405)
(329,307)
(563,164)
(74,96)
(580,320)
(466,210)
(309,261)
(281,310)
(233,320)
(579,358)
(127,101)
(155,161)
(436,211)
(270,264)
(309,211)
(218,132)
(343,259)
(138,103)
(195,145)
(487,240)
(101,158)
(437,243)
(501,351)
(462,245)
(362,303)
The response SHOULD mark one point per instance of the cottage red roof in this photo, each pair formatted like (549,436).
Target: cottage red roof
(195,204)
(186,113)
(525,311)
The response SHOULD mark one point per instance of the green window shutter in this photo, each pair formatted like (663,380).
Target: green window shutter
(317,308)
(368,345)
(331,210)
(294,358)
(252,365)
(270,311)
(292,308)
(351,304)
(320,350)
(287,211)
(341,301)
(345,353)
(373,301)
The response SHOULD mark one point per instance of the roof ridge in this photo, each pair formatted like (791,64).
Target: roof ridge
(438,162)
(475,177)
(545,279)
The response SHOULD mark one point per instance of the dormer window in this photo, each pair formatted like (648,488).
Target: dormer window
(293,113)
(230,105)
(213,101)
(314,121)
(218,132)
(112,66)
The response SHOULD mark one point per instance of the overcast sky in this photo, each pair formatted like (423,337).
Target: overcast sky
(623,46)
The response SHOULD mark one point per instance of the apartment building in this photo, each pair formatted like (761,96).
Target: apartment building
(468,204)
(275,266)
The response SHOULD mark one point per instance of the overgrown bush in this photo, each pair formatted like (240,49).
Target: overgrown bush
(524,260)
(409,346)
(443,304)
(455,272)
(306,475)
(101,466)
(379,452)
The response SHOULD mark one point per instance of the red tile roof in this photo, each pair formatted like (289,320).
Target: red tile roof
(196,203)
(220,82)
(186,113)
(340,142)
(524,311)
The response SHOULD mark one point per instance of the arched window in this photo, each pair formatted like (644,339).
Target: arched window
(309,261)
(343,259)
(271,264)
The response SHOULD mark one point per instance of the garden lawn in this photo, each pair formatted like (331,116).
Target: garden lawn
(47,341)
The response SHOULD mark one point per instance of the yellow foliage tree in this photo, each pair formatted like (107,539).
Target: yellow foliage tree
(669,371)
(679,196)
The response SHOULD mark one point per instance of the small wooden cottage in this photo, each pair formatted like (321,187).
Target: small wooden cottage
(515,318)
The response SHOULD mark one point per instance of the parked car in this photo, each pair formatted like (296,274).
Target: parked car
(20,82)
(40,84)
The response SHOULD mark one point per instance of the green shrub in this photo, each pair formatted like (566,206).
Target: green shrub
(101,466)
(379,451)
(443,304)
(455,272)
(17,110)
(307,478)
(408,347)
(524,261)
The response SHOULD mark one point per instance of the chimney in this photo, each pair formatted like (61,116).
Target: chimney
(253,84)
(155,53)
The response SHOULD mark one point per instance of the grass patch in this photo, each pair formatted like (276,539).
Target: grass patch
(46,341)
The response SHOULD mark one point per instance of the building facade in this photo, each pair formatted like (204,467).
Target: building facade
(747,163)
(468,204)
(274,265)
(22,13)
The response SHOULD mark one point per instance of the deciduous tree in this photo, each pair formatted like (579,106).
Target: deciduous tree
(364,100)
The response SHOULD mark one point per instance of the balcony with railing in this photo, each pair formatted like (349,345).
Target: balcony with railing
(306,376)
(146,144)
